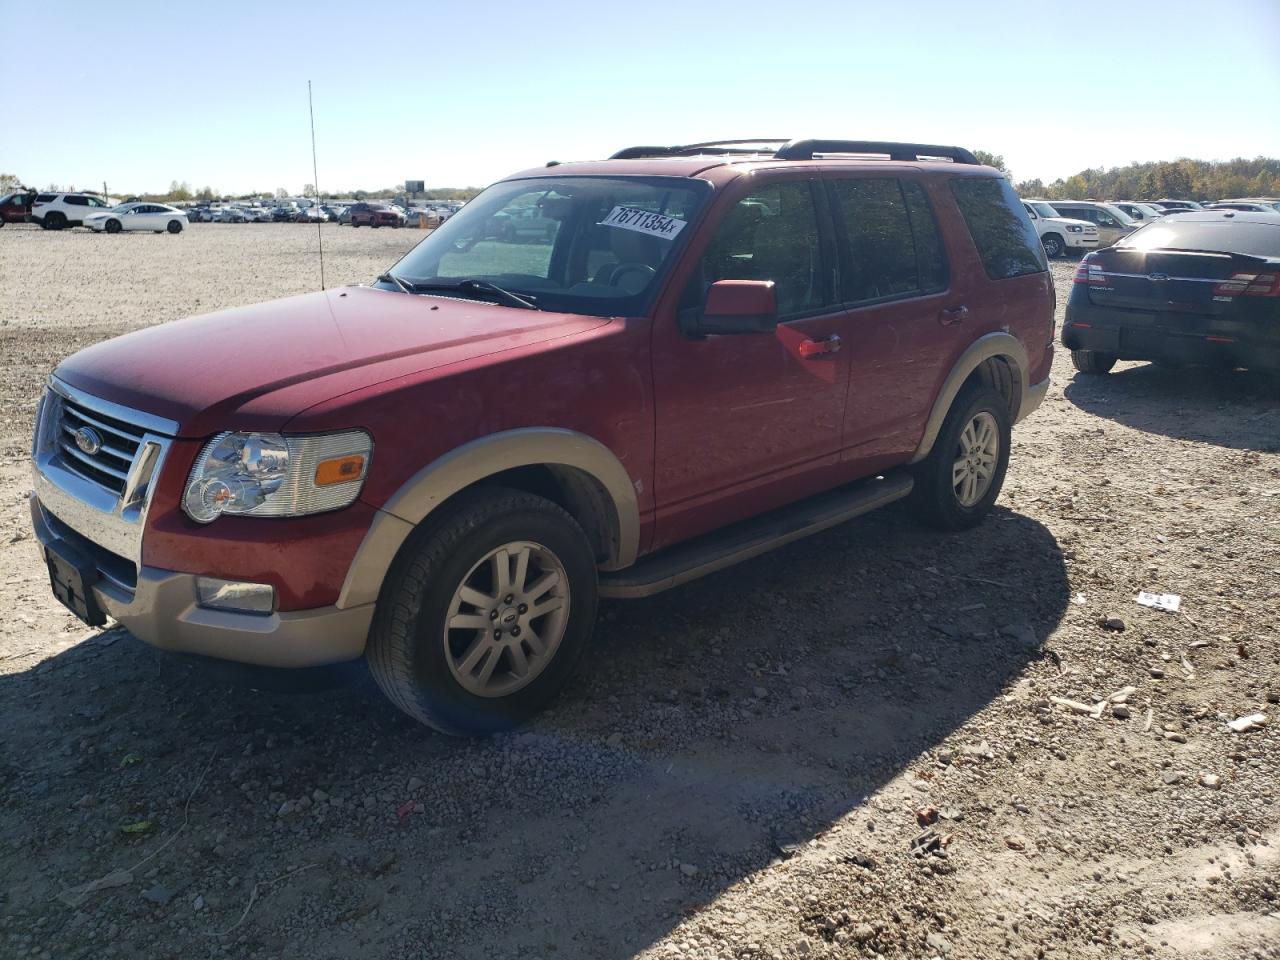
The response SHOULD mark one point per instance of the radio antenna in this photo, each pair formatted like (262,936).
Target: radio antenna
(315,180)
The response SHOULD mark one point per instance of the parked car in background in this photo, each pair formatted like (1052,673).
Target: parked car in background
(527,225)
(16,206)
(1112,222)
(284,214)
(1267,203)
(258,215)
(1172,205)
(156,217)
(332,212)
(56,211)
(1139,211)
(1060,234)
(231,215)
(443,472)
(311,215)
(1250,206)
(1195,287)
(376,215)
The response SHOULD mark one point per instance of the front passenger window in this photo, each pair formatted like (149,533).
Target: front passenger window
(770,235)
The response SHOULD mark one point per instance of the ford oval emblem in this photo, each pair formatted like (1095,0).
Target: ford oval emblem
(1158,277)
(88,441)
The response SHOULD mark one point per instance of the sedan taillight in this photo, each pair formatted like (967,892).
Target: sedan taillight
(1249,285)
(1090,272)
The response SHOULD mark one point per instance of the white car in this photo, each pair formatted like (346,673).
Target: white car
(1058,233)
(156,217)
(230,215)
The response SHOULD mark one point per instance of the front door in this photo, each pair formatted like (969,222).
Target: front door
(746,422)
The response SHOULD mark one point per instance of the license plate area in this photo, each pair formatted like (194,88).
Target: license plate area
(71,577)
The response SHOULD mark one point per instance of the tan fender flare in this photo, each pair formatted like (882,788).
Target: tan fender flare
(553,447)
(1004,346)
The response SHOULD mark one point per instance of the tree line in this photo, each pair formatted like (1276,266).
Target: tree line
(1182,179)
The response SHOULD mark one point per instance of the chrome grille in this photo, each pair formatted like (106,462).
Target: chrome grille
(119,441)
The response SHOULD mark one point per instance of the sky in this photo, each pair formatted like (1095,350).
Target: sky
(142,93)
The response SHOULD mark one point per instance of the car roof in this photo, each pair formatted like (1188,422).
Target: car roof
(1235,216)
(722,169)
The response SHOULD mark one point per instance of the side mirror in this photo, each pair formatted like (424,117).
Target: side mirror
(738,306)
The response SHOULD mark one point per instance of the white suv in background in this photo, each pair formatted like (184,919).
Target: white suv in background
(54,211)
(1058,233)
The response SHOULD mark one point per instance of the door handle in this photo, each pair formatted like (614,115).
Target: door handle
(819,347)
(953,315)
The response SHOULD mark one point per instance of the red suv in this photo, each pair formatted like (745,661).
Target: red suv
(375,215)
(16,207)
(719,348)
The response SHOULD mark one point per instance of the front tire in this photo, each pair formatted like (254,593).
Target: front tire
(1092,361)
(1054,246)
(958,483)
(485,613)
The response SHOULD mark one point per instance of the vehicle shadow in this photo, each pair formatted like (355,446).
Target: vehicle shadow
(707,730)
(1239,409)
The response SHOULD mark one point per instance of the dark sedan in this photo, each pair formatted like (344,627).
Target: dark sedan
(1189,288)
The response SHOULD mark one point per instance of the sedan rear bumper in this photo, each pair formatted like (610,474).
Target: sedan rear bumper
(1106,331)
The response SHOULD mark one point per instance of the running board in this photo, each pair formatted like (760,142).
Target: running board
(714,551)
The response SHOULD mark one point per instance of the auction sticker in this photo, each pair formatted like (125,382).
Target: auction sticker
(642,221)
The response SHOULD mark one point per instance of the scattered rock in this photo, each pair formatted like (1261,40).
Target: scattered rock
(414,785)
(688,869)
(1023,633)
(1254,721)
(1210,780)
(1015,843)
(1120,711)
(159,894)
(927,816)
(937,941)
(1175,736)
(1112,622)
(759,692)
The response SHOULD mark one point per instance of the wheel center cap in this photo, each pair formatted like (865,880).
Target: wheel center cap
(508,616)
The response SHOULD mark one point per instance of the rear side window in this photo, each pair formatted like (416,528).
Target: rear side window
(78,201)
(892,240)
(46,198)
(1007,242)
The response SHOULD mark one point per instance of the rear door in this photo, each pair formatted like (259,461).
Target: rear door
(904,319)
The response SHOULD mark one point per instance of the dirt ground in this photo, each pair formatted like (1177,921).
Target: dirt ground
(739,767)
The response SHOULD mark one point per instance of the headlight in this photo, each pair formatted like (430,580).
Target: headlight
(1074,228)
(272,475)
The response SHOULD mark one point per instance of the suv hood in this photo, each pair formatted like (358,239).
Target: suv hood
(257,367)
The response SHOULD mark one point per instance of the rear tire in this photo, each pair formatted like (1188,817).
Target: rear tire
(436,673)
(1092,361)
(175,226)
(54,221)
(113,226)
(957,484)
(1054,246)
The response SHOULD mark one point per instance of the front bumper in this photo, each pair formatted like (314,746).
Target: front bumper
(159,607)
(1079,240)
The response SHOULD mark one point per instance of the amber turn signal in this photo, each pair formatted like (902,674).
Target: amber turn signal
(339,470)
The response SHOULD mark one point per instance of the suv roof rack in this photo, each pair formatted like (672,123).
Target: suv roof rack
(804,150)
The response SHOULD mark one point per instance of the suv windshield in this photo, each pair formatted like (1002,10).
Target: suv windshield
(591,245)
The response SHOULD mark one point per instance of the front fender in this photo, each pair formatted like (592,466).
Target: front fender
(473,462)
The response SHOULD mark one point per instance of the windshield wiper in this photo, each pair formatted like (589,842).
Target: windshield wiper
(473,285)
(392,278)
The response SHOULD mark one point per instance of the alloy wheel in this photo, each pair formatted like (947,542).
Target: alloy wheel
(977,454)
(506,619)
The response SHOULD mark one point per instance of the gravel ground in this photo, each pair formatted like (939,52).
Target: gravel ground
(848,748)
